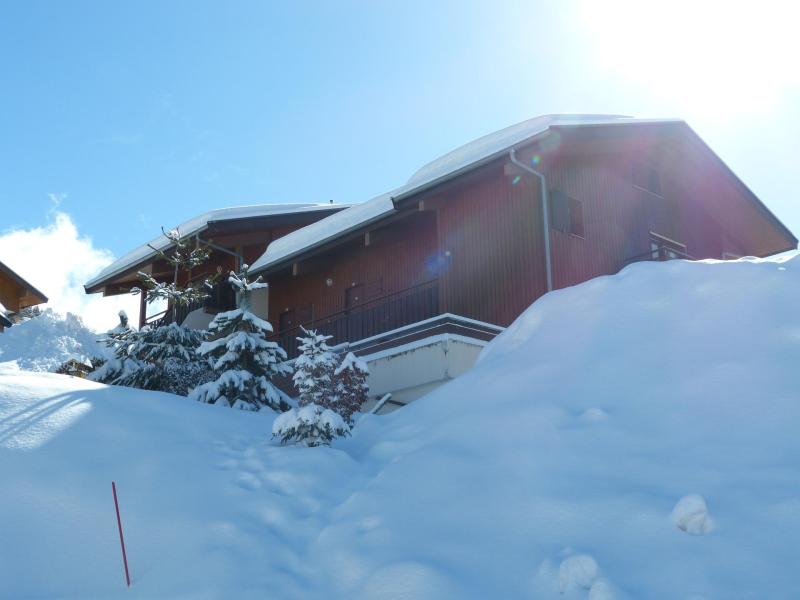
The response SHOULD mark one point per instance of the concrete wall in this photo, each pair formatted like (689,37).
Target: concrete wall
(411,371)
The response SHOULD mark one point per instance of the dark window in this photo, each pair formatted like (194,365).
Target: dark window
(286,320)
(576,217)
(646,177)
(353,296)
(304,314)
(373,289)
(566,213)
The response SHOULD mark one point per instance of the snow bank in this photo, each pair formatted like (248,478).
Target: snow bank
(575,436)
(45,342)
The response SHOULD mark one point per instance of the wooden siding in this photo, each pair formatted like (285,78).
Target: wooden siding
(15,296)
(399,256)
(481,236)
(490,244)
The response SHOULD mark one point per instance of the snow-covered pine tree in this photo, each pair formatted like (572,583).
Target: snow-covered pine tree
(168,360)
(313,369)
(121,364)
(350,386)
(310,425)
(316,422)
(245,360)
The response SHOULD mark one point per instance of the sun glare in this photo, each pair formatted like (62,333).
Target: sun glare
(707,56)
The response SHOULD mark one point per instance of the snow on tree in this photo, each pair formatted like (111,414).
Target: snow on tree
(350,386)
(313,369)
(167,359)
(310,426)
(122,363)
(244,359)
(161,359)
(182,257)
(327,394)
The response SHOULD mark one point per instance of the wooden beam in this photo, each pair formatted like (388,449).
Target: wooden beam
(142,309)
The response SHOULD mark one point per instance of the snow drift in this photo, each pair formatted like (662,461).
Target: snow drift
(47,341)
(586,456)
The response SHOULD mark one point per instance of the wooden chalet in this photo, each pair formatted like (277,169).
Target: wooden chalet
(233,235)
(417,280)
(16,294)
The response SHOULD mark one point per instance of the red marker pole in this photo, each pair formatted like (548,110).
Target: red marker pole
(121,538)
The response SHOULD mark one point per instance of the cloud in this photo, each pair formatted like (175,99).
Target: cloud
(58,260)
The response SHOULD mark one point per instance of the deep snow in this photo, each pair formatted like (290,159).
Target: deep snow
(47,341)
(561,466)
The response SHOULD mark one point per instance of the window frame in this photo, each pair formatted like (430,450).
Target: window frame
(649,169)
(567,211)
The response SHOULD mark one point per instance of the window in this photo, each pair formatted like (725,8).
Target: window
(566,213)
(646,177)
(286,320)
(353,296)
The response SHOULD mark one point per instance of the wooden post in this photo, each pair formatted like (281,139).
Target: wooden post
(121,537)
(142,308)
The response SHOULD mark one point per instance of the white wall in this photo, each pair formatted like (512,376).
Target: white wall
(412,370)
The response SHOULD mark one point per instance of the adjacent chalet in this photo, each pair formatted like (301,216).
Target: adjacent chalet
(419,279)
(235,235)
(16,294)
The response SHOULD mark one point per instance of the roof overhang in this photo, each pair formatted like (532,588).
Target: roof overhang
(30,290)
(410,194)
(214,223)
(422,182)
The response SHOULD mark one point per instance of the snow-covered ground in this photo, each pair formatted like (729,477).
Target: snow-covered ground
(632,437)
(46,342)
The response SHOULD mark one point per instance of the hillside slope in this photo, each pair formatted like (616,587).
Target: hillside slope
(551,470)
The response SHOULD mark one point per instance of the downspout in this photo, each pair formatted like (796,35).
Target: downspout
(548,266)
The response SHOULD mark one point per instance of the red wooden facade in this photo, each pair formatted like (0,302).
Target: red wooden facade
(478,240)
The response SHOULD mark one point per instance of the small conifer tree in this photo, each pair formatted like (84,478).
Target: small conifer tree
(318,420)
(351,389)
(243,359)
(119,340)
(313,369)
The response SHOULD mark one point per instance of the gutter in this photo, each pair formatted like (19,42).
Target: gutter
(545,215)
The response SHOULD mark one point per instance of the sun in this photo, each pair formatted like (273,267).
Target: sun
(707,55)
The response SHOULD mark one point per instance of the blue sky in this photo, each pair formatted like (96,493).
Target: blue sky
(137,115)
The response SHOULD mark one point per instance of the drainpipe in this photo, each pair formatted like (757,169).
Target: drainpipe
(545,215)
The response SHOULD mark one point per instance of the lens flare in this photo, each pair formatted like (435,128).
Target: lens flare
(516,180)
(536,160)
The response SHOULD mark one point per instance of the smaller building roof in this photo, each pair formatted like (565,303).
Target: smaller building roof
(199,224)
(23,284)
(464,158)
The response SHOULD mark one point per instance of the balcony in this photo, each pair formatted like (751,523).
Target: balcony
(661,250)
(369,318)
(221,298)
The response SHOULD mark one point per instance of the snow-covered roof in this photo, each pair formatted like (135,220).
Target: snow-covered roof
(466,157)
(200,223)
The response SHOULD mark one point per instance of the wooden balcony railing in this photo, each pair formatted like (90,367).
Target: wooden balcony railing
(222,298)
(369,318)
(661,252)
